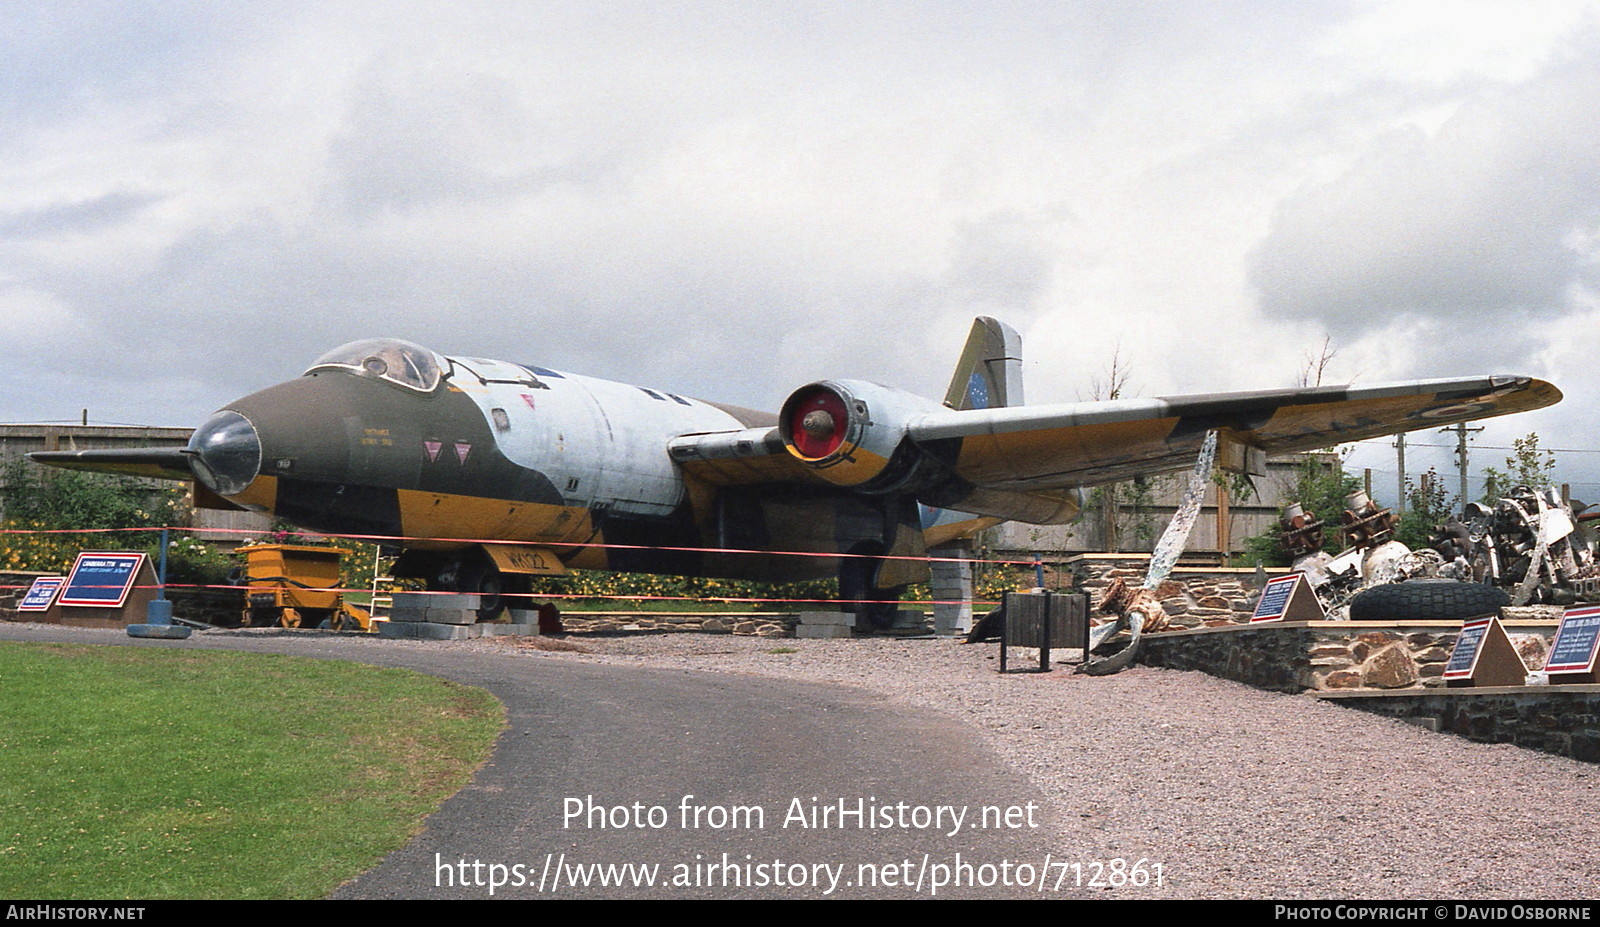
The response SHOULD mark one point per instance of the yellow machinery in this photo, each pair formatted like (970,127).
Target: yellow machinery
(297,586)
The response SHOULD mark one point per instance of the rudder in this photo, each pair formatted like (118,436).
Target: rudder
(989,373)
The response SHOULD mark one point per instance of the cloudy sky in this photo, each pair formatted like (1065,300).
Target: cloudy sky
(731,199)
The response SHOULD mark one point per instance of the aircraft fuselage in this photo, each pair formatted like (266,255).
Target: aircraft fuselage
(490,452)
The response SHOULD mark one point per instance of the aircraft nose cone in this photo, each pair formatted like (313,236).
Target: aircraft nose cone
(226,452)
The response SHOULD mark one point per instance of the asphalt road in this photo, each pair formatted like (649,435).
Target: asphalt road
(680,784)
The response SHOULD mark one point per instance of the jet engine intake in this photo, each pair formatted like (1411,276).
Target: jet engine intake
(850,431)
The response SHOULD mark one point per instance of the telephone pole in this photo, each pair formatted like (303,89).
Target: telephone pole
(1400,485)
(1461,431)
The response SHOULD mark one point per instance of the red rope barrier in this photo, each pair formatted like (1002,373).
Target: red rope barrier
(568,596)
(382,538)
(538,596)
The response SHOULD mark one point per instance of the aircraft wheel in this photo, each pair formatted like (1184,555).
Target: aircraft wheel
(481,577)
(882,614)
(855,586)
(990,627)
(517,590)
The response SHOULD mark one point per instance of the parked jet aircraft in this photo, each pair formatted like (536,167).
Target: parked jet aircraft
(494,472)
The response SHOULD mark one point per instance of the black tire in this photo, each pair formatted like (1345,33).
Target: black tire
(314,617)
(883,613)
(990,627)
(874,608)
(1427,600)
(478,575)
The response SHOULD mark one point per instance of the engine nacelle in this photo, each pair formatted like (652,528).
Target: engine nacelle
(850,430)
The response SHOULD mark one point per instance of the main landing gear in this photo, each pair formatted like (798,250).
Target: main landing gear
(875,608)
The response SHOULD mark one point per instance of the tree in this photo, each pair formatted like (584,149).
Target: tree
(1427,505)
(1316,365)
(1110,384)
(1321,486)
(1527,465)
(59,499)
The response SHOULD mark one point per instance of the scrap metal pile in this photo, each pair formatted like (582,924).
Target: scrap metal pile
(1527,544)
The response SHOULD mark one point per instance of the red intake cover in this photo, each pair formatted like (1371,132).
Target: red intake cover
(817,446)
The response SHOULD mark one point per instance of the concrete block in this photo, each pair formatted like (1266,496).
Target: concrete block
(408,614)
(952,583)
(524,616)
(437,600)
(828,619)
(503,630)
(822,631)
(456,616)
(426,631)
(907,618)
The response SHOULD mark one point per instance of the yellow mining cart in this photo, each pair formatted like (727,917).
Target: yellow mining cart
(297,586)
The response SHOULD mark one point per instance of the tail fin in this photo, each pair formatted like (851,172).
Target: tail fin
(989,374)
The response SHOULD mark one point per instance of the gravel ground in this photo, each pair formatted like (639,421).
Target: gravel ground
(1236,792)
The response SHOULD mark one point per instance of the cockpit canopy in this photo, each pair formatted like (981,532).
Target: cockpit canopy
(410,365)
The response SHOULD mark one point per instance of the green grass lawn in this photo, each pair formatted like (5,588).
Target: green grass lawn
(166,773)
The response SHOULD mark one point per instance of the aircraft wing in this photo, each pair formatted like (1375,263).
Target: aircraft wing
(1083,444)
(1018,461)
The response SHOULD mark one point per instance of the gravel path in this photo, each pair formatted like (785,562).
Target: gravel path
(1236,792)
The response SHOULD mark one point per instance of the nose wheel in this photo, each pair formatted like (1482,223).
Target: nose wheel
(473,574)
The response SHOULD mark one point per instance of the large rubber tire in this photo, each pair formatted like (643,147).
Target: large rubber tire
(1427,600)
(874,608)
(989,627)
(480,576)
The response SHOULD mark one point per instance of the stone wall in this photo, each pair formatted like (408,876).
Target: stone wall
(223,608)
(1293,656)
(748,624)
(13,586)
(1193,597)
(1555,719)
(1328,655)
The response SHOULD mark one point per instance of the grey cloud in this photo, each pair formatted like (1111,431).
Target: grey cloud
(85,216)
(1003,263)
(417,138)
(1474,218)
(62,56)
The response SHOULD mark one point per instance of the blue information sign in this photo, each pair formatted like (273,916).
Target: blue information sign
(101,579)
(1468,642)
(1573,650)
(40,594)
(1275,598)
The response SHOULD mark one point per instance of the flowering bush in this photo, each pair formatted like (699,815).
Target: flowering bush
(51,515)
